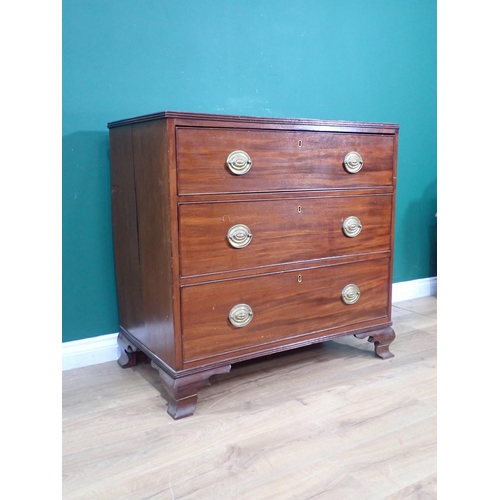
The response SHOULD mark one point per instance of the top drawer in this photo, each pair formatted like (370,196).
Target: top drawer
(280,160)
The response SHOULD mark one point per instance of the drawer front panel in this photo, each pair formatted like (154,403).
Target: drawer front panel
(286,230)
(280,160)
(282,305)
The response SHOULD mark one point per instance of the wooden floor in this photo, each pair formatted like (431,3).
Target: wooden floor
(329,421)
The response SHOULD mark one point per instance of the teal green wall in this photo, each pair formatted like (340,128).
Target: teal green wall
(360,60)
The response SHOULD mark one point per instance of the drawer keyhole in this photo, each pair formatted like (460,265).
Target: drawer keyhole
(299,278)
(299,209)
(300,144)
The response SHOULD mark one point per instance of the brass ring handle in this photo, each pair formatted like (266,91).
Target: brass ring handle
(353,162)
(239,236)
(350,294)
(239,162)
(240,315)
(352,226)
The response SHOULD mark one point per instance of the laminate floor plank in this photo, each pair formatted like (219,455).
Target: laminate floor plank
(330,421)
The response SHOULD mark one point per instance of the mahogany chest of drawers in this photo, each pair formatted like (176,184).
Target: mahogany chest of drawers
(237,237)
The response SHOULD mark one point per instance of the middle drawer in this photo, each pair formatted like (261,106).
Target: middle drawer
(224,236)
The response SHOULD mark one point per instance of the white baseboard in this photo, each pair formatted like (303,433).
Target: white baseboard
(95,350)
(407,290)
(87,352)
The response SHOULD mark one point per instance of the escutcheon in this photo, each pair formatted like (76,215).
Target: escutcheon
(239,162)
(353,162)
(239,236)
(350,294)
(240,315)
(352,226)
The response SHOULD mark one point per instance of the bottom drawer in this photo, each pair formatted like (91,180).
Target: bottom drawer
(273,307)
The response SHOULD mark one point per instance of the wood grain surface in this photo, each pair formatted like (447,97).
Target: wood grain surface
(283,230)
(278,162)
(283,307)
